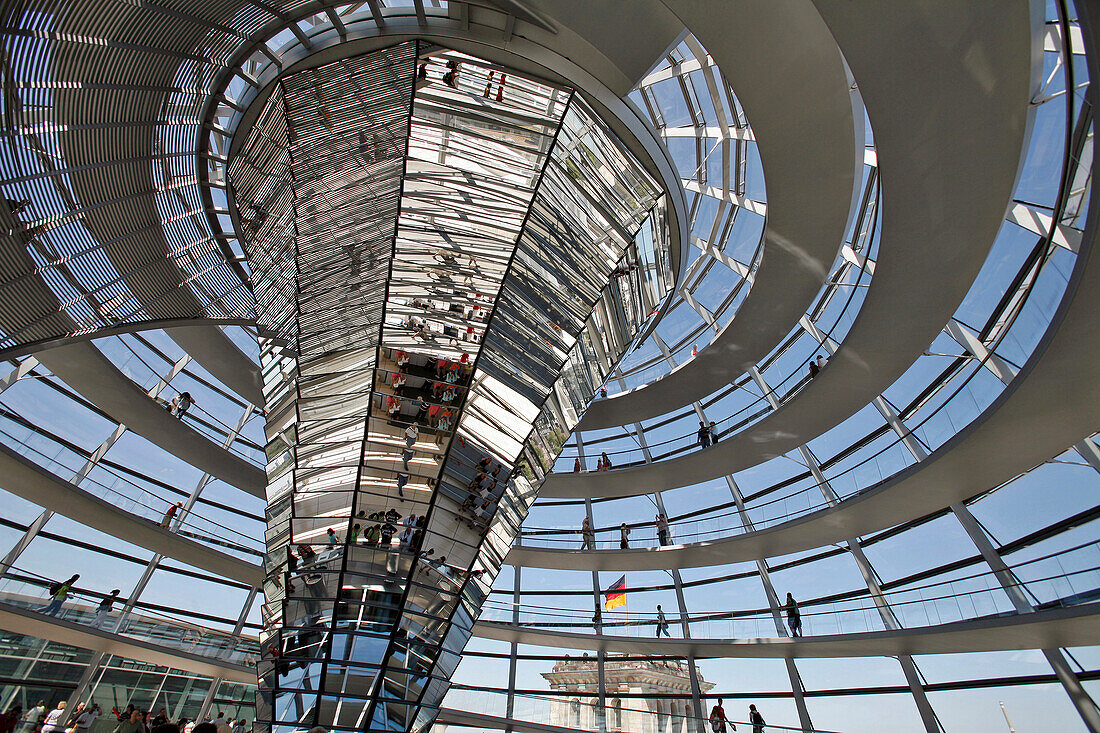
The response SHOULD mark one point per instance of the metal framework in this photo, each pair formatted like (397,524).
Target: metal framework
(368,206)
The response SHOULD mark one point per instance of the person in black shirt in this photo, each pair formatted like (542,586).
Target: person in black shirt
(756,719)
(704,435)
(794,619)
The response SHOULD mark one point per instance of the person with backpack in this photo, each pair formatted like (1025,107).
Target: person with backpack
(58,593)
(756,719)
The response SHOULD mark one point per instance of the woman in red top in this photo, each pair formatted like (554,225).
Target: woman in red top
(718,718)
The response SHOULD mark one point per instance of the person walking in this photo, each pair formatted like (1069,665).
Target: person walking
(662,529)
(55,721)
(794,618)
(662,623)
(814,369)
(171,514)
(588,535)
(181,403)
(332,538)
(412,433)
(577,465)
(711,432)
(58,593)
(756,720)
(624,534)
(704,435)
(104,609)
(606,462)
(718,718)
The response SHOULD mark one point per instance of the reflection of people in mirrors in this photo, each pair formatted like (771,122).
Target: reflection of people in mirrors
(393,409)
(418,327)
(445,257)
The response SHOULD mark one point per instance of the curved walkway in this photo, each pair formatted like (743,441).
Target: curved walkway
(469,719)
(30,481)
(811,161)
(1023,427)
(1059,627)
(85,369)
(23,621)
(949,154)
(209,346)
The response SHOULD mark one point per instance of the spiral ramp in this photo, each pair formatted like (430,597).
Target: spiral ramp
(903,188)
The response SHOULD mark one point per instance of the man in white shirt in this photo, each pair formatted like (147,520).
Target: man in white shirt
(33,716)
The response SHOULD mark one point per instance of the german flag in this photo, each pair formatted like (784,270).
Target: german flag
(615,596)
